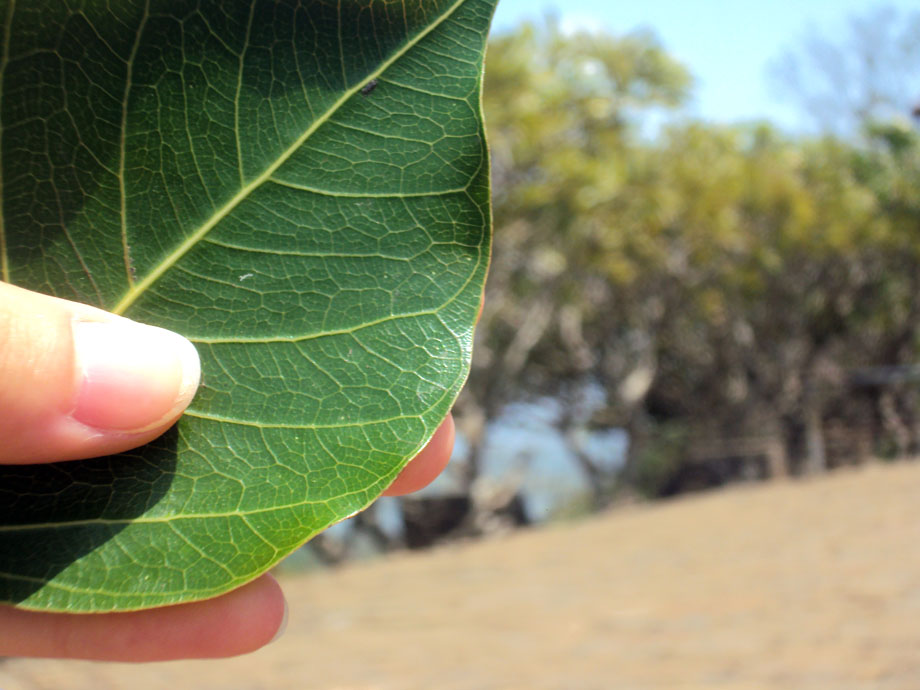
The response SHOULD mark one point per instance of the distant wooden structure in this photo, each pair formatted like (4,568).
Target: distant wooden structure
(429,520)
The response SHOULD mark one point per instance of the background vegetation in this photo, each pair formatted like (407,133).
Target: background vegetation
(743,303)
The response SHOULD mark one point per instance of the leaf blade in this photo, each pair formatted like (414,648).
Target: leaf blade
(334,323)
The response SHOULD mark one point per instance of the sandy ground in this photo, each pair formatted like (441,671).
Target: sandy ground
(795,585)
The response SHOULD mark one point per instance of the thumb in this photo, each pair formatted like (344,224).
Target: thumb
(78,382)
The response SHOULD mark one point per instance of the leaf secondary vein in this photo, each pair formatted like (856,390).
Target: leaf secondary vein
(367,195)
(318,334)
(299,427)
(171,520)
(239,89)
(138,289)
(122,148)
(4,60)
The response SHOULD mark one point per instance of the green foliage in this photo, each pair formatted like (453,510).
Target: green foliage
(658,462)
(219,169)
(563,113)
(727,279)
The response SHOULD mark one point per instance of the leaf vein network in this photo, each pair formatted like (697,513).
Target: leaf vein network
(135,291)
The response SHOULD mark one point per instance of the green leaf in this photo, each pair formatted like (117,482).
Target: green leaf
(301,188)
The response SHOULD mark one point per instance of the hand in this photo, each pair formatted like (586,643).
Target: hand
(77,382)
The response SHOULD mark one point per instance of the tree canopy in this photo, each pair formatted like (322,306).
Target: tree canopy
(715,281)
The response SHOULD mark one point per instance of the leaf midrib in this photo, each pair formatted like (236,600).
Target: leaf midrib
(135,291)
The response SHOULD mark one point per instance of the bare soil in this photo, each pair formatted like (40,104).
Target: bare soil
(795,585)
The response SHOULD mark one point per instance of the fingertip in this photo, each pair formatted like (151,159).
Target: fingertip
(425,467)
(131,378)
(239,622)
(236,623)
(77,382)
(242,621)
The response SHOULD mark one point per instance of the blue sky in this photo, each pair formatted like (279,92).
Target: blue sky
(728,45)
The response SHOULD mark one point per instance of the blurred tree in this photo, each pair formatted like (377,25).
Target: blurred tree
(726,280)
(870,73)
(564,114)
(780,276)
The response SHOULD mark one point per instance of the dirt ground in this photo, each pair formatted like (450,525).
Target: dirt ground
(796,585)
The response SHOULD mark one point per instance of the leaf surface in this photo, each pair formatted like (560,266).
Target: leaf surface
(301,188)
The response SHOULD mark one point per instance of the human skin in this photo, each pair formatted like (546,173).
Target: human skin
(67,372)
